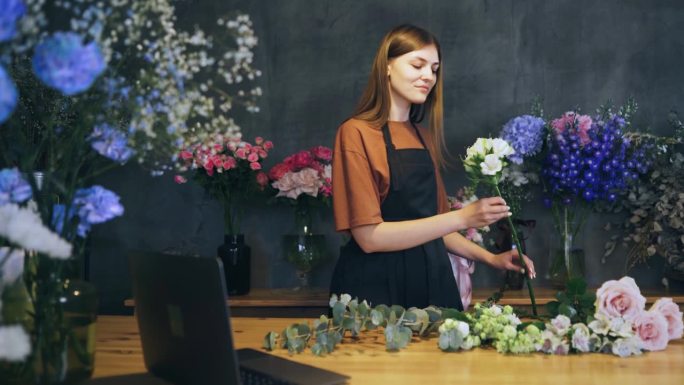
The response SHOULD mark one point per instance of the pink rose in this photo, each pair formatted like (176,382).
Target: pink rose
(185,155)
(268,145)
(258,140)
(651,328)
(255,166)
(581,122)
(323,153)
(278,171)
(253,157)
(180,179)
(229,163)
(209,167)
(262,179)
(302,159)
(620,298)
(241,153)
(263,154)
(673,316)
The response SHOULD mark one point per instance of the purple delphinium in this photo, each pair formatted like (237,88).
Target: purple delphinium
(63,62)
(525,134)
(13,187)
(111,143)
(10,12)
(92,206)
(594,171)
(8,95)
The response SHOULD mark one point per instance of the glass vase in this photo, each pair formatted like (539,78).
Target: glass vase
(236,258)
(566,254)
(303,248)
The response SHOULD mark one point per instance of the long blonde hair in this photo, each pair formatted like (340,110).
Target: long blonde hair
(374,105)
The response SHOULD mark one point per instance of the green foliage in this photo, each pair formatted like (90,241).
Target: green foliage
(575,302)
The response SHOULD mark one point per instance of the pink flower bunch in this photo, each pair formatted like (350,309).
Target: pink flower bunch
(306,172)
(570,119)
(225,154)
(654,327)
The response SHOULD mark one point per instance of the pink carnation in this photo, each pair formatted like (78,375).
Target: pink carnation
(255,166)
(241,153)
(258,140)
(323,153)
(185,155)
(569,119)
(651,329)
(268,145)
(262,179)
(229,163)
(673,316)
(302,159)
(620,299)
(293,184)
(253,157)
(180,179)
(278,171)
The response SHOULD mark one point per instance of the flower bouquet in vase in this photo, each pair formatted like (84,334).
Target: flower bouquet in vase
(303,180)
(589,162)
(229,169)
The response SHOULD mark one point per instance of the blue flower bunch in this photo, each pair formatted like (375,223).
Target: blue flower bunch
(12,11)
(525,134)
(110,143)
(8,95)
(90,206)
(63,62)
(13,187)
(595,171)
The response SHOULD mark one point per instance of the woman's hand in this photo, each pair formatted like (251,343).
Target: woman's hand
(483,212)
(506,260)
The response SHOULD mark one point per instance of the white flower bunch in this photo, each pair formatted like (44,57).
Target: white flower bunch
(15,344)
(455,335)
(487,157)
(24,228)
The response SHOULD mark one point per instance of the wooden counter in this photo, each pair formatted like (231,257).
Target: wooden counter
(366,361)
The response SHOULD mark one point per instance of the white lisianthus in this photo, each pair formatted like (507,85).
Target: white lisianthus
(480,148)
(12,262)
(24,228)
(463,328)
(492,165)
(15,344)
(501,148)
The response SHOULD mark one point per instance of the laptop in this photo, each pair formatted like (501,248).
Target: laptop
(185,331)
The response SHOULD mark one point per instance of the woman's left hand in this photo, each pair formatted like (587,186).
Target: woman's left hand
(509,260)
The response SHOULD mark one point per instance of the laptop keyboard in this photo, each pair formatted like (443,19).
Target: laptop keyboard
(250,377)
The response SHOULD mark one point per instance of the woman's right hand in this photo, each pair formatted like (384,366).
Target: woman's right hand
(483,212)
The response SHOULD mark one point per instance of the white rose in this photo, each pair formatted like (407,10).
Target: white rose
(501,148)
(492,165)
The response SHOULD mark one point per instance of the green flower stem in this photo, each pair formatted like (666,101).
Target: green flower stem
(522,260)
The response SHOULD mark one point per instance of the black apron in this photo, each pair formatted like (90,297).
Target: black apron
(419,276)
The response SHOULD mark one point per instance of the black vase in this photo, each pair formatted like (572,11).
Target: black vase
(236,257)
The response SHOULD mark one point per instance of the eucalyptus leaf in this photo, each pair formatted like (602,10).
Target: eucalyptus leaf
(270,340)
(338,313)
(318,350)
(377,318)
(363,308)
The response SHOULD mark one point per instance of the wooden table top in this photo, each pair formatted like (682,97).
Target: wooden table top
(318,297)
(367,362)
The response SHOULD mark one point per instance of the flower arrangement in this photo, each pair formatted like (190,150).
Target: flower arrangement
(589,162)
(230,170)
(618,324)
(463,267)
(484,163)
(304,178)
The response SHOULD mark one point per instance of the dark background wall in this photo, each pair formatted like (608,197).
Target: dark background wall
(497,55)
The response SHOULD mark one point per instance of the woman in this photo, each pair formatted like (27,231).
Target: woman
(388,192)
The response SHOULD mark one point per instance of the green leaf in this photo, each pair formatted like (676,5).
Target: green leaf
(562,297)
(567,310)
(348,324)
(377,318)
(422,320)
(587,301)
(353,304)
(455,314)
(318,350)
(576,286)
(552,308)
(397,310)
(363,308)
(434,313)
(338,312)
(270,340)
(384,310)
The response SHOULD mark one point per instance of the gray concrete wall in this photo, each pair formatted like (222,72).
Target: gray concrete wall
(315,57)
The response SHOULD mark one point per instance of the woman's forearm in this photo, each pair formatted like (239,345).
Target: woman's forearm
(458,244)
(393,236)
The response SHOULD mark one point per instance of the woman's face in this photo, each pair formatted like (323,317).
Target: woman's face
(412,75)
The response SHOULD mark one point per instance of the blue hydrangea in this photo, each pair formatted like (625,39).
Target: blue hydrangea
(13,187)
(64,63)
(90,206)
(10,12)
(8,96)
(525,134)
(111,143)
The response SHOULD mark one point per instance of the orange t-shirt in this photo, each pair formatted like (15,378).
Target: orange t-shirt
(360,172)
